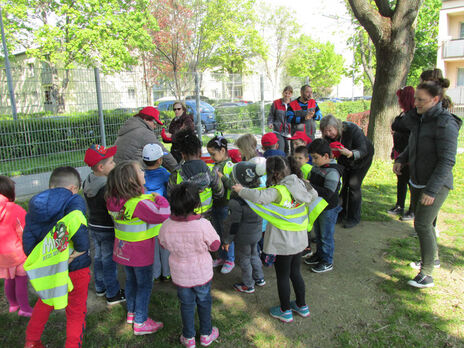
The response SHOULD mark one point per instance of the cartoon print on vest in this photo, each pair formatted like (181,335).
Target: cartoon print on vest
(60,236)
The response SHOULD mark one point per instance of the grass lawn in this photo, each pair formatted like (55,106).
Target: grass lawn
(407,317)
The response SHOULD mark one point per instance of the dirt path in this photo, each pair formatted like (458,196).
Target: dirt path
(342,299)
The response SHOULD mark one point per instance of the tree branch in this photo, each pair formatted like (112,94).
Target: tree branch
(384,8)
(370,19)
(406,12)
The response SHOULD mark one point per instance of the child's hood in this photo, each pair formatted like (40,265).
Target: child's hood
(114,204)
(49,205)
(3,206)
(297,188)
(93,184)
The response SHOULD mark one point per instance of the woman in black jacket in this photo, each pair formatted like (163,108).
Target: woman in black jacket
(356,158)
(400,141)
(431,154)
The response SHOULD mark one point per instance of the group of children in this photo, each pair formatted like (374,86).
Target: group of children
(161,225)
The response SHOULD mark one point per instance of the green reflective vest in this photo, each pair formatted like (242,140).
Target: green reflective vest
(306,169)
(227,171)
(286,215)
(206,196)
(132,229)
(47,265)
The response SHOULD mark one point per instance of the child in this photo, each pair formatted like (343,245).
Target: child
(247,145)
(286,236)
(325,178)
(195,171)
(217,148)
(137,220)
(270,144)
(245,229)
(190,239)
(302,158)
(49,211)
(156,180)
(300,139)
(100,224)
(12,221)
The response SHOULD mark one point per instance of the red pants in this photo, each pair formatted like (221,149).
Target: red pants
(75,311)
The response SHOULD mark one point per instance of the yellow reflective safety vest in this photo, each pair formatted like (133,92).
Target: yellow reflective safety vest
(206,196)
(306,170)
(286,215)
(132,229)
(227,171)
(47,265)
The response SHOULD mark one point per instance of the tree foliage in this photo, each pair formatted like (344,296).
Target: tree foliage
(317,61)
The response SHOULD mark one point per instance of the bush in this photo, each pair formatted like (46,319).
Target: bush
(342,109)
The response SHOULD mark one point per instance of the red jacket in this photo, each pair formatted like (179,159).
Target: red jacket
(12,221)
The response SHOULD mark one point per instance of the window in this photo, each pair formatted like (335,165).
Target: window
(48,96)
(460,77)
(131,93)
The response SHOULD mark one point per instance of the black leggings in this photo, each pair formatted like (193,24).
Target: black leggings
(402,188)
(288,267)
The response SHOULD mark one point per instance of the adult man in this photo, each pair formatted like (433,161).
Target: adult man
(304,112)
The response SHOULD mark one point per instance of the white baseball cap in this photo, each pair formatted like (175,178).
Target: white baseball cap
(151,152)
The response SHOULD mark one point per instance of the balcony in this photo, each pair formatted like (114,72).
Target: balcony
(453,49)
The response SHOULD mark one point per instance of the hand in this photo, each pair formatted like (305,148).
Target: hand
(74,255)
(154,194)
(345,152)
(169,135)
(237,188)
(397,168)
(426,199)
(270,125)
(225,247)
(310,114)
(220,175)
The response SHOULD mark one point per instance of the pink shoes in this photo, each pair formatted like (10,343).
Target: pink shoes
(13,309)
(22,313)
(206,340)
(188,342)
(148,327)
(227,267)
(218,262)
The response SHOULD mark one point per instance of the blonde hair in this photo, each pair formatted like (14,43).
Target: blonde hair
(247,145)
(123,183)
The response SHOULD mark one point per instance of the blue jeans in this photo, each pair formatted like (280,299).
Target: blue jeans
(218,217)
(161,261)
(189,297)
(104,268)
(139,282)
(324,227)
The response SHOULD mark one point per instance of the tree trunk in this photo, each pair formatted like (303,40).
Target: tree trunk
(393,61)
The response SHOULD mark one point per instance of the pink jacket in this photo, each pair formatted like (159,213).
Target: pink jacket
(12,221)
(189,241)
(139,254)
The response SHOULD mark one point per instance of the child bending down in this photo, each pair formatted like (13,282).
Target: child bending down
(286,236)
(12,221)
(245,229)
(190,239)
(137,220)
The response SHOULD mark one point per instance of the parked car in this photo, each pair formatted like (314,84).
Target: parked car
(208,118)
(229,105)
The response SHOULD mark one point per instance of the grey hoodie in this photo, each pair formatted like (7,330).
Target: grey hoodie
(94,191)
(132,137)
(276,241)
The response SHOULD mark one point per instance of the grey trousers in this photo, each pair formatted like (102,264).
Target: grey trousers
(161,261)
(423,224)
(247,258)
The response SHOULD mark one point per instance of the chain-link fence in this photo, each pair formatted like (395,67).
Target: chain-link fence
(61,112)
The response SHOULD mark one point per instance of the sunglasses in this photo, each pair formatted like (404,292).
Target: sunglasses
(177,109)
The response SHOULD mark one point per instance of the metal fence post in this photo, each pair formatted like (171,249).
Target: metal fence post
(263,121)
(197,102)
(8,70)
(100,108)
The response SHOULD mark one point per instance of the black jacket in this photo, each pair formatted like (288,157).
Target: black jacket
(431,150)
(400,133)
(353,139)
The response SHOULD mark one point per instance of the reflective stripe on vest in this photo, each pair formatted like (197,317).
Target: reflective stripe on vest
(283,215)
(132,229)
(227,171)
(306,169)
(206,196)
(47,265)
(315,209)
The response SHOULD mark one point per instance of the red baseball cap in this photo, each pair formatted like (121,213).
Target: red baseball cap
(95,153)
(301,135)
(269,139)
(152,112)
